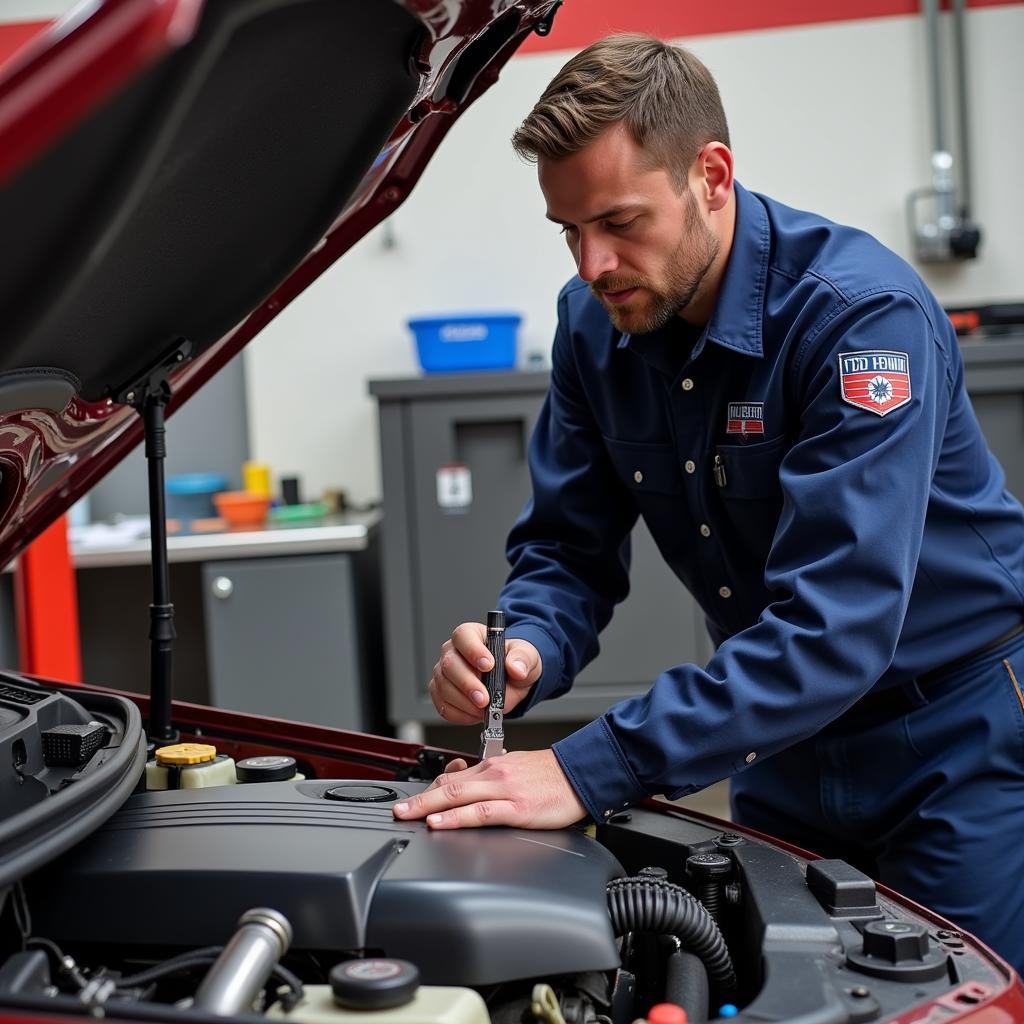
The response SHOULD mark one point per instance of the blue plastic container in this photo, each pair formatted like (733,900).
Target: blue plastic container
(190,495)
(467,341)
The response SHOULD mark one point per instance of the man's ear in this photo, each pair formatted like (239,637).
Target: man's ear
(713,174)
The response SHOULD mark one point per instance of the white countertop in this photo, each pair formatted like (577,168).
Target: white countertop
(93,547)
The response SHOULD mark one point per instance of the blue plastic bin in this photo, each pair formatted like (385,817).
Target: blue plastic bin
(466,341)
(190,495)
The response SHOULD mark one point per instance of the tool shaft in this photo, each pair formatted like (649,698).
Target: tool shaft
(492,738)
(495,679)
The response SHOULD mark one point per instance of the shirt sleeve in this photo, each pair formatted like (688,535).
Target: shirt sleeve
(855,485)
(569,550)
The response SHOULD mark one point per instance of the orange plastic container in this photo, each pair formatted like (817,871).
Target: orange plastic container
(242,508)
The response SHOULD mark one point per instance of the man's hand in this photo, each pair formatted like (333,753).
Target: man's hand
(526,789)
(455,687)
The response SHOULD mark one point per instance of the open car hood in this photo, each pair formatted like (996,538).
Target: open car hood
(174,172)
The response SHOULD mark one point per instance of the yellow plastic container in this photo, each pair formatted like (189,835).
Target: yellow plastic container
(256,478)
(189,766)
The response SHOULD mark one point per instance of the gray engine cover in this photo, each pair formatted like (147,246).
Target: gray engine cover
(471,907)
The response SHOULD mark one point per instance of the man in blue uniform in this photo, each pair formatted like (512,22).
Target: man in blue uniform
(782,400)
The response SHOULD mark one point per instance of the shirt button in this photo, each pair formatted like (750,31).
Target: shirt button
(690,466)
(705,530)
(687,384)
(724,592)
(638,477)
(751,757)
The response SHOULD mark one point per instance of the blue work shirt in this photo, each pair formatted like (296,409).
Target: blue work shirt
(809,466)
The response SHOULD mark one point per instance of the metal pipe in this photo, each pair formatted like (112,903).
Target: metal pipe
(962,115)
(942,161)
(931,16)
(240,972)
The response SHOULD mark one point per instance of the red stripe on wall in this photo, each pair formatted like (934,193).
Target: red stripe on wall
(580,22)
(14,35)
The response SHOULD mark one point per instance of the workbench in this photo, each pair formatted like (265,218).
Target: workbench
(281,620)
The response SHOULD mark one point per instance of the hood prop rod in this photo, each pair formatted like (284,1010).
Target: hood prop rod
(149,397)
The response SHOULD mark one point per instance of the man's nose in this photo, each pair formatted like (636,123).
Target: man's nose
(595,257)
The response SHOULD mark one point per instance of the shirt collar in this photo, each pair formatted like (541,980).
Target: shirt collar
(737,321)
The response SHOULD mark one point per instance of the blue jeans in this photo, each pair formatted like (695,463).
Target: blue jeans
(927,799)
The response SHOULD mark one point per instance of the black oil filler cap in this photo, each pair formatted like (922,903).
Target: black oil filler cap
(374,984)
(267,768)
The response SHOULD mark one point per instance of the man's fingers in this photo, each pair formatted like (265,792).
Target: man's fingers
(458,764)
(456,666)
(487,812)
(522,662)
(452,705)
(460,791)
(470,641)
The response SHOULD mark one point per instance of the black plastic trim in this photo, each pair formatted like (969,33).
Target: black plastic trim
(37,835)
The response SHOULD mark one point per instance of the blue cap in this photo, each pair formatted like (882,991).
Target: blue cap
(728,1010)
(196,483)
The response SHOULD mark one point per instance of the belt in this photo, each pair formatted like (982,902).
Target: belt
(896,699)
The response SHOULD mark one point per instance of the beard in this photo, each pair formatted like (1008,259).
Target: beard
(685,271)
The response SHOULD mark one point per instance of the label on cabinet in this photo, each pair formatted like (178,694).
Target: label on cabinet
(454,487)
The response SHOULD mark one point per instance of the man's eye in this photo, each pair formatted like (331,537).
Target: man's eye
(621,225)
(565,229)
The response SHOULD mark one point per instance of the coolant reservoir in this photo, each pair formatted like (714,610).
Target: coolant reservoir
(432,1004)
(189,766)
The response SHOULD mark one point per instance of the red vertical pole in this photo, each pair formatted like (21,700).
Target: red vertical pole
(46,602)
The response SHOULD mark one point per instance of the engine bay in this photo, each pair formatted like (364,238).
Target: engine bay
(254,887)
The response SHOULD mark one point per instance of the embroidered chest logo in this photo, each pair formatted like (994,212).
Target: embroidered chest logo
(877,381)
(745,418)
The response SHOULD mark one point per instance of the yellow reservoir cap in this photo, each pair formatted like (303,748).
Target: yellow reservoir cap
(185,753)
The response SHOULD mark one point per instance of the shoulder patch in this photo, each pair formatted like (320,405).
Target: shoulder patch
(878,381)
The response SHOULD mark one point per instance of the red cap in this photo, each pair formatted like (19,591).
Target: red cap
(666,1013)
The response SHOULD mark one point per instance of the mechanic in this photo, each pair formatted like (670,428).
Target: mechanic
(782,399)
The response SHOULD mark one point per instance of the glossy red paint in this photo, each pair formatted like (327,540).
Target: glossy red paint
(52,460)
(14,36)
(69,69)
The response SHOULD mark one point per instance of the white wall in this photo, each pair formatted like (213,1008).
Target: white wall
(832,118)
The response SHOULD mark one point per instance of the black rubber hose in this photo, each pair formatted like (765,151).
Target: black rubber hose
(686,985)
(663,908)
(164,970)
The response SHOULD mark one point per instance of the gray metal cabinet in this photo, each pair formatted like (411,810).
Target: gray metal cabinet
(282,638)
(994,375)
(444,560)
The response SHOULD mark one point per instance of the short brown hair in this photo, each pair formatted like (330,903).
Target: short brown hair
(664,95)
